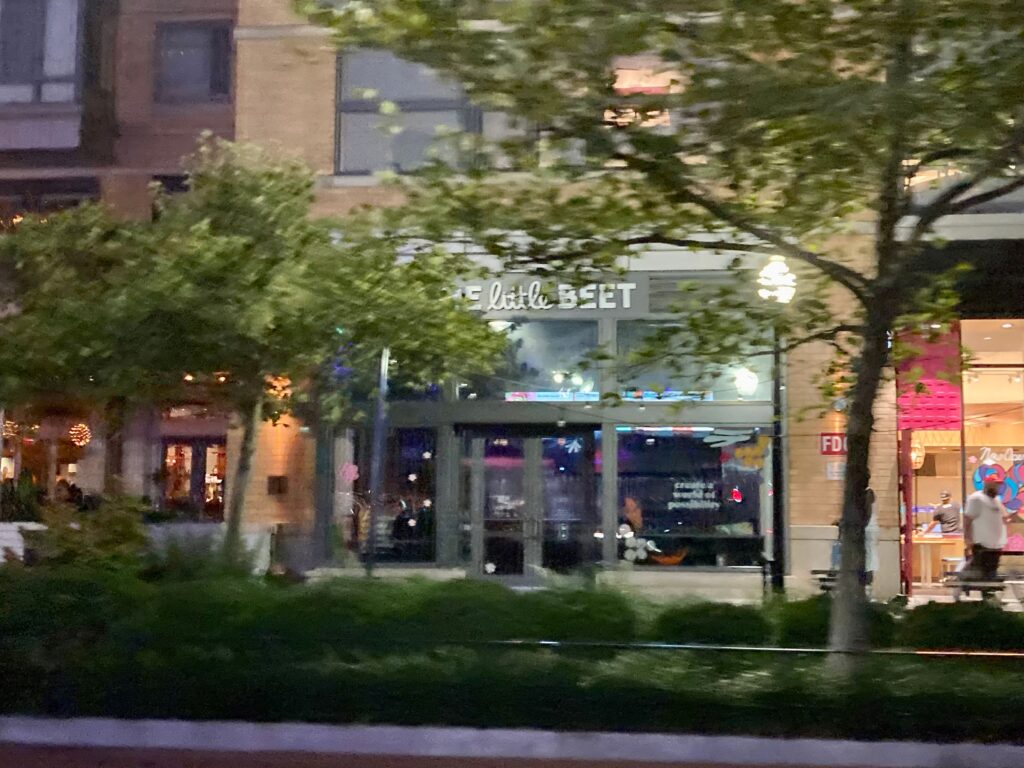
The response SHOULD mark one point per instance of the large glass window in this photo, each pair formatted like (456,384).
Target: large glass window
(193,62)
(405,521)
(38,51)
(692,497)
(391,113)
(668,380)
(546,361)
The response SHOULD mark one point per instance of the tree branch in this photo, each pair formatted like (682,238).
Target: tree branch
(848,278)
(946,201)
(983,197)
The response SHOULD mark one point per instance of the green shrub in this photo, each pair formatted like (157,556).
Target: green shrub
(962,626)
(712,623)
(110,537)
(189,558)
(804,623)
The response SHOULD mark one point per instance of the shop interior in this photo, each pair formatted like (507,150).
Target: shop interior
(963,435)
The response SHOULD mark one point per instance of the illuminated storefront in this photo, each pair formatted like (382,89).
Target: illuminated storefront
(963,428)
(528,471)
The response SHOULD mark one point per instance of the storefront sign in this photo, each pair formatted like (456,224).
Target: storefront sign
(833,444)
(515,296)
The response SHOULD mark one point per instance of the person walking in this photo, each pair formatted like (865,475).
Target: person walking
(985,520)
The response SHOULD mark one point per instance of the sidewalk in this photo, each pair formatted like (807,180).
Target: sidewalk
(91,743)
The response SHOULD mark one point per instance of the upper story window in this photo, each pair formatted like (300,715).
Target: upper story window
(38,51)
(193,62)
(372,137)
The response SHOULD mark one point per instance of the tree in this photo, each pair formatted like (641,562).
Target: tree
(780,127)
(233,294)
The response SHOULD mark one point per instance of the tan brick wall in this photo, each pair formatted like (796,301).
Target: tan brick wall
(813,499)
(126,195)
(281,449)
(338,201)
(263,13)
(285,96)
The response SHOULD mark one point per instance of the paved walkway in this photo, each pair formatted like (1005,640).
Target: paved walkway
(96,743)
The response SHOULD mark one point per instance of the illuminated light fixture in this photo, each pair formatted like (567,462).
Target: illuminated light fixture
(80,435)
(189,377)
(736,495)
(776,281)
(1007,325)
(221,378)
(987,338)
(917,455)
(935,326)
(577,380)
(558,377)
(427,455)
(10,429)
(746,382)
(499,326)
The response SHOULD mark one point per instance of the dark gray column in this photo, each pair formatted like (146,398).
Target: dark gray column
(447,505)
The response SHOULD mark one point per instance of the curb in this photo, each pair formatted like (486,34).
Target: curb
(394,741)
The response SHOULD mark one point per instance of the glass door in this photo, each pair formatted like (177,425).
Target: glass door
(533,504)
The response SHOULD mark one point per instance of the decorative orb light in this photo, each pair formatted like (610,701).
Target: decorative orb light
(80,435)
(746,382)
(776,281)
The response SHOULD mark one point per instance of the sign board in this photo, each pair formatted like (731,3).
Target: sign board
(833,444)
(628,296)
(835,470)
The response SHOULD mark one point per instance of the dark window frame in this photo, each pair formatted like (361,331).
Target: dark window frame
(212,26)
(36,76)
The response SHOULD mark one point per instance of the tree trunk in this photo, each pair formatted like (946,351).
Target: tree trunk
(252,416)
(113,470)
(848,629)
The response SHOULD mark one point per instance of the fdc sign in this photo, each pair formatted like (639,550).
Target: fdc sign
(833,444)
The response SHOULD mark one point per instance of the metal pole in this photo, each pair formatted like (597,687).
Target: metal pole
(377,457)
(778,475)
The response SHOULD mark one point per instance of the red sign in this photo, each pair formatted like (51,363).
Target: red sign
(833,444)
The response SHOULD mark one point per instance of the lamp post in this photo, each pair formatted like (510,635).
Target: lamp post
(777,284)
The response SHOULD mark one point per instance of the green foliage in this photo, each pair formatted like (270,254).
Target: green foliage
(20,503)
(111,537)
(713,624)
(96,643)
(963,626)
(194,558)
(805,623)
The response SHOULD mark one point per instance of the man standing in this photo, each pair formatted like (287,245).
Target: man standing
(947,514)
(985,529)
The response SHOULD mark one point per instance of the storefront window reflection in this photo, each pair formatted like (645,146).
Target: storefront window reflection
(546,361)
(691,497)
(656,380)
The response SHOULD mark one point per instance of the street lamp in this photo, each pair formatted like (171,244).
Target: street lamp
(777,284)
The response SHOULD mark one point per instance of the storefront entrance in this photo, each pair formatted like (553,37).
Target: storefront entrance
(531,501)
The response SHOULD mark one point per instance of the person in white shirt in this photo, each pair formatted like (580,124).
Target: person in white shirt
(985,520)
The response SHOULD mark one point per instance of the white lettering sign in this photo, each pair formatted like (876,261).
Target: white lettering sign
(1006,458)
(694,495)
(518,295)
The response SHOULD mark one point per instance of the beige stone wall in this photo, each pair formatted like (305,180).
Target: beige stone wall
(284,83)
(281,449)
